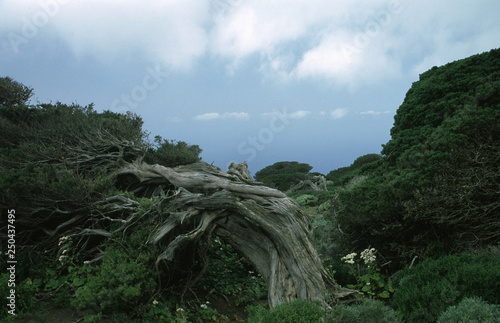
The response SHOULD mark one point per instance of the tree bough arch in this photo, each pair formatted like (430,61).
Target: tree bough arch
(265,226)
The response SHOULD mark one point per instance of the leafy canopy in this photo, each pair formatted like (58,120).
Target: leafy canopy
(436,189)
(13,93)
(283,175)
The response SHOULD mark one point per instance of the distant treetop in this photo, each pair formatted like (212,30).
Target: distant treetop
(13,93)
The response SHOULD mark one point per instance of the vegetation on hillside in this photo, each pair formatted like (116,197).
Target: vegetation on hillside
(436,189)
(283,175)
(415,228)
(429,197)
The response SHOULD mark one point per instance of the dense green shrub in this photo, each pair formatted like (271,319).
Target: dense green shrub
(361,164)
(283,175)
(296,311)
(119,283)
(436,188)
(427,289)
(371,311)
(471,310)
(13,93)
(172,153)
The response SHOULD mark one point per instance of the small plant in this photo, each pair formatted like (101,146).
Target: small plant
(295,311)
(371,311)
(369,278)
(180,315)
(158,312)
(206,313)
(472,309)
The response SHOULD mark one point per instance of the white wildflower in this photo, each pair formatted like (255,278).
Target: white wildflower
(62,259)
(63,240)
(204,306)
(368,255)
(155,302)
(180,309)
(349,259)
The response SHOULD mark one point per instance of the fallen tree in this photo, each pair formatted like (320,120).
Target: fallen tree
(265,226)
(78,193)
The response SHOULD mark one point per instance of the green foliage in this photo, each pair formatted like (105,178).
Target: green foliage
(207,314)
(361,164)
(313,198)
(296,311)
(124,278)
(229,276)
(471,310)
(437,183)
(306,200)
(172,153)
(96,318)
(427,289)
(371,311)
(13,93)
(119,283)
(283,175)
(159,311)
(22,296)
(369,279)
(64,157)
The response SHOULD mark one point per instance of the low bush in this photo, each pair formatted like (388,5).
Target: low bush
(471,309)
(296,311)
(371,311)
(306,200)
(18,302)
(119,283)
(427,289)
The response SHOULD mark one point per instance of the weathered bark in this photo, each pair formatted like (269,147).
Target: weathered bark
(266,227)
(318,183)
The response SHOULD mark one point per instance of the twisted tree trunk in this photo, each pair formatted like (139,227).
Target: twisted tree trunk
(265,226)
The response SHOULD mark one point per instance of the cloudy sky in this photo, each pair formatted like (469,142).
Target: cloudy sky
(315,81)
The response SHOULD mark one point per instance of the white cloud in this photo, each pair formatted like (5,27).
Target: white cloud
(236,115)
(227,115)
(338,113)
(346,42)
(372,112)
(359,41)
(207,116)
(298,114)
(168,32)
(284,115)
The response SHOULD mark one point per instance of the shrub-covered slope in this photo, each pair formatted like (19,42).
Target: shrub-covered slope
(436,189)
